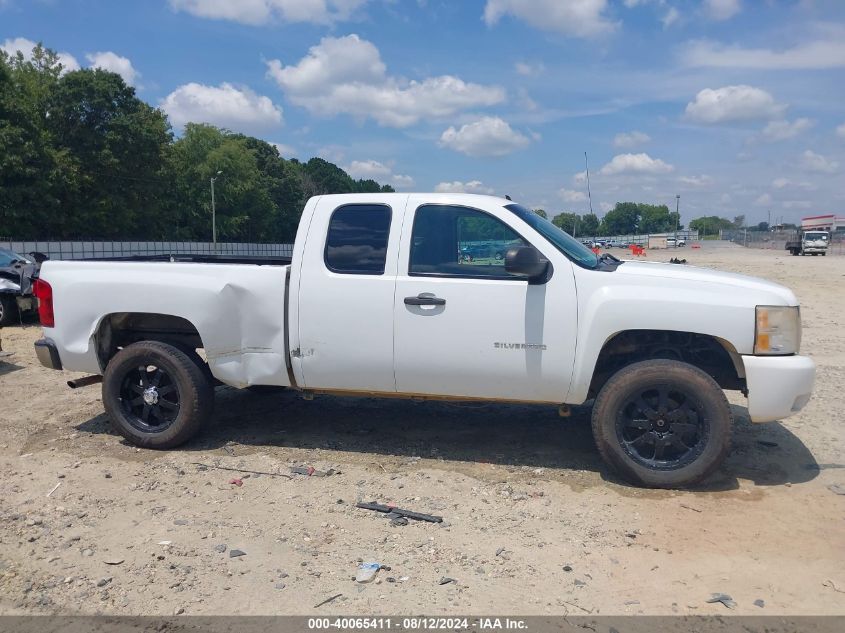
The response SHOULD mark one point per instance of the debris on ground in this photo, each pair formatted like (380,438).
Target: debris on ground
(201,467)
(310,471)
(234,553)
(675,260)
(367,572)
(327,600)
(419,516)
(113,561)
(759,603)
(838,489)
(398,521)
(446,580)
(686,507)
(724,598)
(236,482)
(567,568)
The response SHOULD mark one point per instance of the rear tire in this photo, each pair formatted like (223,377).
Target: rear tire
(8,310)
(662,424)
(156,395)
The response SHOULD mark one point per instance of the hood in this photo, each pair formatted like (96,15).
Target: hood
(685,274)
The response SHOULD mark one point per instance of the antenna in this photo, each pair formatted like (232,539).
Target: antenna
(589,195)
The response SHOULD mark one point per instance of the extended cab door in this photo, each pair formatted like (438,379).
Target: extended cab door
(342,291)
(463,325)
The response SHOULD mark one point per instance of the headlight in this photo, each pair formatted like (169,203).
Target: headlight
(778,330)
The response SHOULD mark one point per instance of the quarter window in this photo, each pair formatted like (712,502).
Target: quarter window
(457,241)
(357,239)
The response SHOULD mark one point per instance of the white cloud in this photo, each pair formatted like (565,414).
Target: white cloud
(780,183)
(782,130)
(114,63)
(367,169)
(373,169)
(489,136)
(578,18)
(696,181)
(670,17)
(456,186)
(732,103)
(570,195)
(627,140)
(527,69)
(285,151)
(828,52)
(840,131)
(635,164)
(25,46)
(722,9)
(258,12)
(238,109)
(796,204)
(347,75)
(818,163)
(763,201)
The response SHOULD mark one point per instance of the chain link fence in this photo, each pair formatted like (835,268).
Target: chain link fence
(91,249)
(776,240)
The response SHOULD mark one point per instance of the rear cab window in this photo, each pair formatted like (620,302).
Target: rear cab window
(356,243)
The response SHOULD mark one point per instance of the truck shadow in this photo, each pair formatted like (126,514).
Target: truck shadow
(532,436)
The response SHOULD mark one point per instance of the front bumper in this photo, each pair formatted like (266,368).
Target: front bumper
(778,386)
(47,353)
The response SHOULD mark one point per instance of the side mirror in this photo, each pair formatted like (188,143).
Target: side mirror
(524,261)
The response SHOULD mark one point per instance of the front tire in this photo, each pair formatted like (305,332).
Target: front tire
(662,424)
(156,395)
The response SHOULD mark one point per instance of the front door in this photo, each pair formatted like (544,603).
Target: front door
(463,325)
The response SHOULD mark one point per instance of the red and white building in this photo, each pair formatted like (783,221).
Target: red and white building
(823,223)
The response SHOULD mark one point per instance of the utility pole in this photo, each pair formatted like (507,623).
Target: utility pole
(214,212)
(769,223)
(677,217)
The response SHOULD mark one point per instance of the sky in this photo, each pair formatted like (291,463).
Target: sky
(736,106)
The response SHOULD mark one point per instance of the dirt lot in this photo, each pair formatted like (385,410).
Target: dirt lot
(132,531)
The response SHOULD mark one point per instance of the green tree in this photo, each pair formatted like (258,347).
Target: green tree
(113,148)
(622,219)
(541,213)
(30,166)
(568,222)
(710,224)
(589,225)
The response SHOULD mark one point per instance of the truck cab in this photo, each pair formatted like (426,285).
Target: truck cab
(809,243)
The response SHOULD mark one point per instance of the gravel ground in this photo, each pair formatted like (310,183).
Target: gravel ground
(533,522)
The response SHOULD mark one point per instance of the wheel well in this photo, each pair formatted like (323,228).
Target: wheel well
(124,328)
(712,355)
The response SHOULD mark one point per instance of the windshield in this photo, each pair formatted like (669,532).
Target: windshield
(561,240)
(815,236)
(7,257)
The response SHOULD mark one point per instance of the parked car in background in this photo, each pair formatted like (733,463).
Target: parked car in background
(16,272)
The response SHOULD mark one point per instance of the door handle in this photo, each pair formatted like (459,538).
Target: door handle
(422,300)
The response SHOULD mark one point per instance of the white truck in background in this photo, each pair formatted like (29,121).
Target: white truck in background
(378,299)
(809,243)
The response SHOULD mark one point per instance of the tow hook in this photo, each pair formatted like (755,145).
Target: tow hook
(84,381)
(564,411)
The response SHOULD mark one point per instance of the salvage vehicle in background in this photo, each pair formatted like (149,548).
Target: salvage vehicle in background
(809,243)
(16,272)
(378,300)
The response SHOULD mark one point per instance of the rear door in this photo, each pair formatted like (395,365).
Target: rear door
(463,325)
(345,295)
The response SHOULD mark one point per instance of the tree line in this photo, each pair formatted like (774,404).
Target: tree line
(625,218)
(81,156)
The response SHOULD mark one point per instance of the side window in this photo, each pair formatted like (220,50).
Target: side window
(357,239)
(460,241)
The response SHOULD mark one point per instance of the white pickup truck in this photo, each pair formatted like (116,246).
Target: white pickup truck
(378,299)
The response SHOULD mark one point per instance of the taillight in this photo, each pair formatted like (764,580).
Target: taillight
(44,293)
